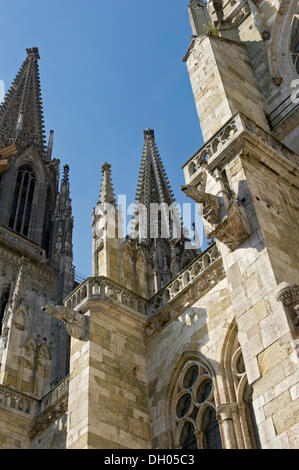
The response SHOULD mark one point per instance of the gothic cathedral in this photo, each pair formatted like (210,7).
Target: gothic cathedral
(164,347)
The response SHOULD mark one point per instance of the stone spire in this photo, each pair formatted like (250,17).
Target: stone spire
(153,184)
(153,188)
(21,113)
(107,192)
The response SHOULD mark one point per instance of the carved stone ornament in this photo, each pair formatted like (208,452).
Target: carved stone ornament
(210,203)
(75,323)
(288,294)
(225,411)
(234,228)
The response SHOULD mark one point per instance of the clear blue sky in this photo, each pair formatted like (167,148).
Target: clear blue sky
(109,69)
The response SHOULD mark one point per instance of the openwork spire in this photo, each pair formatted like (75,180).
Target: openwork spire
(21,114)
(107,191)
(153,185)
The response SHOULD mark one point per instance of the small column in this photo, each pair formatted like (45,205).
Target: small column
(225,420)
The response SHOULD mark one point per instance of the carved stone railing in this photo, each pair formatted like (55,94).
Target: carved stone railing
(222,141)
(17,241)
(55,395)
(103,288)
(18,401)
(184,279)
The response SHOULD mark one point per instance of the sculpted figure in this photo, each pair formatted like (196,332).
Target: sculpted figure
(74,322)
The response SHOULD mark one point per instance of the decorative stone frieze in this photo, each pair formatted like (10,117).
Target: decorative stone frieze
(75,323)
(48,417)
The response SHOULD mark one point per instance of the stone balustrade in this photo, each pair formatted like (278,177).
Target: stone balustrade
(18,401)
(184,279)
(220,144)
(55,395)
(103,288)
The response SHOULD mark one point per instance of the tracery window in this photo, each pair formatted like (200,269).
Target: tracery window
(3,302)
(193,409)
(295,43)
(47,222)
(22,200)
(243,393)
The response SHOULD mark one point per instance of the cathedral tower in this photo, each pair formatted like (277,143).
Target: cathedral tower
(35,242)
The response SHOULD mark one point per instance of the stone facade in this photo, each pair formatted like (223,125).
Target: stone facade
(35,258)
(173,349)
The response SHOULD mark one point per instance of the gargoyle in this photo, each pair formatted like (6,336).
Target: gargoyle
(210,203)
(75,323)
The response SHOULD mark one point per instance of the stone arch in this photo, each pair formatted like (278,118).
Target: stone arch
(237,391)
(279,54)
(187,359)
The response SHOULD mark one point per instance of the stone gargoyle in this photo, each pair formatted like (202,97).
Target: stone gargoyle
(232,227)
(75,323)
(210,203)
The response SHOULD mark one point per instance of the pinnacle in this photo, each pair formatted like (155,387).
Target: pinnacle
(152,174)
(21,113)
(107,192)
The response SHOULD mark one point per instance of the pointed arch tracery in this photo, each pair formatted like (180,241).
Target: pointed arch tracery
(193,408)
(240,393)
(22,200)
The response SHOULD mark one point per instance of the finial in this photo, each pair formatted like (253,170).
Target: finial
(50,144)
(149,133)
(66,170)
(106,166)
(33,51)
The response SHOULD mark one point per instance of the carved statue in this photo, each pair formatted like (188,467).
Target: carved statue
(210,203)
(232,228)
(75,323)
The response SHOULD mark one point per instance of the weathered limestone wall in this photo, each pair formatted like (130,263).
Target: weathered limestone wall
(276,207)
(108,405)
(54,437)
(223,83)
(268,346)
(34,354)
(14,428)
(200,330)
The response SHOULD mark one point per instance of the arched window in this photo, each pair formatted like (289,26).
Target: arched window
(47,222)
(22,200)
(241,392)
(193,409)
(295,43)
(3,302)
